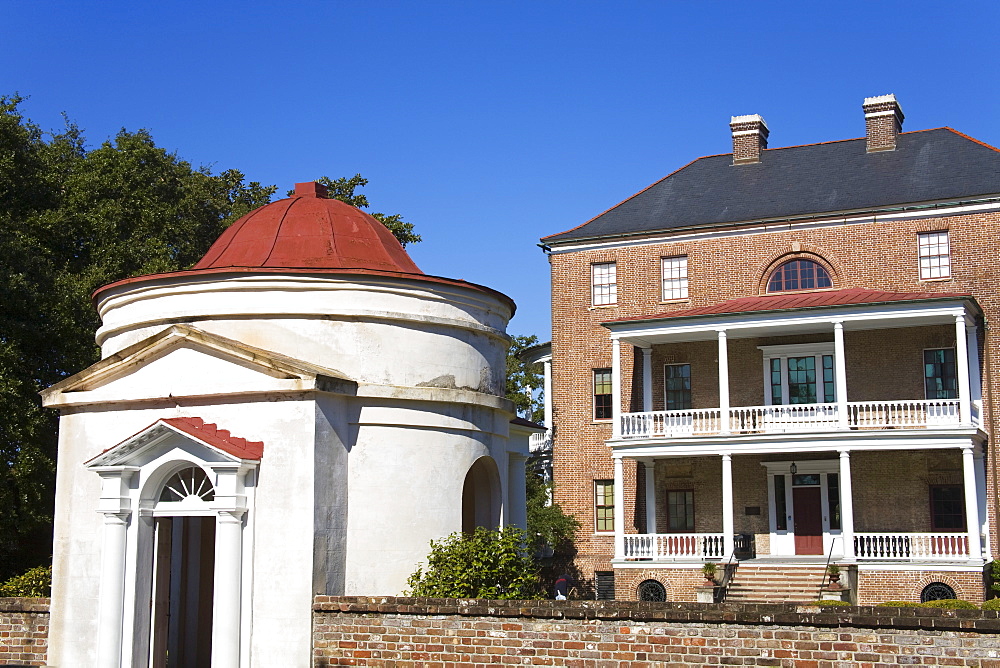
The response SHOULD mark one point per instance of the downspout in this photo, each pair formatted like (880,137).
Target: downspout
(991,446)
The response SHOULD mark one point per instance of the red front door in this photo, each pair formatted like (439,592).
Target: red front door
(808,520)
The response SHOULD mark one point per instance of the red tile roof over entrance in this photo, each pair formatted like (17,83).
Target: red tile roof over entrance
(218,438)
(308,231)
(804,300)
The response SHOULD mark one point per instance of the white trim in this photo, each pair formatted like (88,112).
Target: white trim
(764,227)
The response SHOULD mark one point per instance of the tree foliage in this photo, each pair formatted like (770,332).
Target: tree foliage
(548,525)
(344,189)
(484,564)
(74,219)
(35,583)
(524,379)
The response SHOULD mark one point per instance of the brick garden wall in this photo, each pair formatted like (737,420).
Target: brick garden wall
(445,633)
(24,631)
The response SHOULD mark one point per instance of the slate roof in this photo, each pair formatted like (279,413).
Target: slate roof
(802,300)
(927,166)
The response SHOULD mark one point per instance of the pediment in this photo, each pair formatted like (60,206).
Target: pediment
(182,361)
(179,434)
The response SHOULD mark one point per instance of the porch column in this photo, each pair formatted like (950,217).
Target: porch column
(647,379)
(962,362)
(616,390)
(971,503)
(650,496)
(728,524)
(980,464)
(111,604)
(619,509)
(975,382)
(846,505)
(724,380)
(547,391)
(840,373)
(226,606)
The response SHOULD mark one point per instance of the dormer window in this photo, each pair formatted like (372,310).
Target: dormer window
(799,275)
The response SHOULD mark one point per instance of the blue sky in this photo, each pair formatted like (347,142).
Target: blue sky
(491,124)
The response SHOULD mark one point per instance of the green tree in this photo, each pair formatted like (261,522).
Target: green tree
(344,189)
(548,525)
(484,564)
(523,379)
(74,219)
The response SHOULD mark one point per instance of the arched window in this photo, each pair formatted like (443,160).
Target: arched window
(936,591)
(186,483)
(651,590)
(799,275)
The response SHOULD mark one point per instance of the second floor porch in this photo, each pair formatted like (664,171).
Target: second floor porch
(852,360)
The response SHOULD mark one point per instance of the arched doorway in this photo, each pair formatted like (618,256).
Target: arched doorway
(481,496)
(183,572)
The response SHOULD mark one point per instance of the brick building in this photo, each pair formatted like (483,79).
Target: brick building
(779,357)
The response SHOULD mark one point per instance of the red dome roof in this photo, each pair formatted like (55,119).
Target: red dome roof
(308,231)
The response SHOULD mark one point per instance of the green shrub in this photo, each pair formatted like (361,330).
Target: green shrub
(992,604)
(484,564)
(831,604)
(898,604)
(995,575)
(950,604)
(34,583)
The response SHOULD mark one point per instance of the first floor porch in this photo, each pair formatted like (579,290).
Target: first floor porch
(838,503)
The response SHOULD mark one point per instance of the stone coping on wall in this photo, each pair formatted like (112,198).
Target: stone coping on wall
(982,621)
(24,605)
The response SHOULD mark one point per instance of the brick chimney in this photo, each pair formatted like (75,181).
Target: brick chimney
(883,121)
(749,138)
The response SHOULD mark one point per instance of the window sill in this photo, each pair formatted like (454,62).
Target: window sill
(680,300)
(942,279)
(603,421)
(599,307)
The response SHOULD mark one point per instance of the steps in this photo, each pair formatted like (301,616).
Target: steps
(775,584)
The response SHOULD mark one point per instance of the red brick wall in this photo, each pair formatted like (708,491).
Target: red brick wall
(24,631)
(875,255)
(442,632)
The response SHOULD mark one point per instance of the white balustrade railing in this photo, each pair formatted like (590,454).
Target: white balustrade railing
(673,546)
(911,546)
(908,414)
(540,442)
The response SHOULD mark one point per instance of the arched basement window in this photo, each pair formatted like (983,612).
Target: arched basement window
(187,483)
(799,275)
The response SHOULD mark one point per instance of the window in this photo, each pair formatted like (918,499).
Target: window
(187,483)
(799,374)
(940,375)
(947,508)
(675,277)
(677,386)
(936,591)
(652,590)
(780,504)
(934,255)
(602,394)
(604,283)
(799,275)
(833,499)
(680,510)
(604,505)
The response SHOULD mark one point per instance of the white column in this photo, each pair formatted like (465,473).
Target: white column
(619,509)
(516,492)
(226,606)
(962,361)
(980,464)
(971,503)
(616,390)
(975,381)
(547,390)
(846,505)
(724,380)
(728,523)
(650,496)
(111,604)
(840,373)
(647,379)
